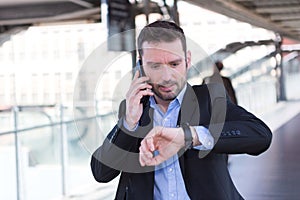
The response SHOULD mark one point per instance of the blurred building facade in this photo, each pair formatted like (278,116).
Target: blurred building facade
(40,65)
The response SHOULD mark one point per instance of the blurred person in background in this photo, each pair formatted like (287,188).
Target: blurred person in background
(226,81)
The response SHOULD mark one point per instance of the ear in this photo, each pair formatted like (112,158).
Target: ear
(188,59)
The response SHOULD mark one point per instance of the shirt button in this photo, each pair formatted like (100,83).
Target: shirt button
(170,169)
(165,122)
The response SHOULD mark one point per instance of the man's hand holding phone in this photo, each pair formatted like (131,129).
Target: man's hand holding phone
(139,88)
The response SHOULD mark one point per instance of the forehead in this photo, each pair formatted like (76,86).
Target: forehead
(162,49)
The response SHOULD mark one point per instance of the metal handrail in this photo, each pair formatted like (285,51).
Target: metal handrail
(54,124)
(64,146)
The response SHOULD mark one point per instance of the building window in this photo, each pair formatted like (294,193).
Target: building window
(118,75)
(68,76)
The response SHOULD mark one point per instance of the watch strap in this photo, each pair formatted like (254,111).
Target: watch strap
(188,138)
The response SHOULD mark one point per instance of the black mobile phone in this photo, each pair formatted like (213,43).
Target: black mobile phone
(139,67)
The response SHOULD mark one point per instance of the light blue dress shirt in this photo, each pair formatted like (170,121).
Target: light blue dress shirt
(169,183)
(168,180)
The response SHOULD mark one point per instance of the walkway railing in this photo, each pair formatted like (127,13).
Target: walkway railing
(55,130)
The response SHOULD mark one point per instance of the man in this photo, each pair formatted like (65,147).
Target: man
(172,139)
(226,81)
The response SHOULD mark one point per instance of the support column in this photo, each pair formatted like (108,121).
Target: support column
(281,93)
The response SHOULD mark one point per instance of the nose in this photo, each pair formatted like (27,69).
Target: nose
(166,73)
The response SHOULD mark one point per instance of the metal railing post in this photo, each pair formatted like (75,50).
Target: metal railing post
(15,111)
(63,151)
(280,71)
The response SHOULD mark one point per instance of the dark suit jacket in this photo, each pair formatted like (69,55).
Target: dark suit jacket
(205,172)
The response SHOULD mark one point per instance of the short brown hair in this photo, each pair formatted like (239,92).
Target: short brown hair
(161,31)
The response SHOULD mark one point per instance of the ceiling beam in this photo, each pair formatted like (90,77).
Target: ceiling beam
(243,0)
(236,11)
(279,9)
(286,16)
(292,23)
(269,1)
(69,16)
(82,3)
(274,2)
(26,2)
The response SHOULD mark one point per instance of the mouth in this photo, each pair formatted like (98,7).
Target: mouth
(166,88)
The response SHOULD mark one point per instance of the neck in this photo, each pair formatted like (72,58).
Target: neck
(163,104)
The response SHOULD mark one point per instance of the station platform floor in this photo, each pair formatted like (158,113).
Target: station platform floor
(273,175)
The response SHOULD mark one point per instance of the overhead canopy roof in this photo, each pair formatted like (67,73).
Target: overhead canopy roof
(18,14)
(282,16)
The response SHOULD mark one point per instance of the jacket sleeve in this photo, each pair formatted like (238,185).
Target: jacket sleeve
(103,172)
(241,132)
(234,129)
(119,152)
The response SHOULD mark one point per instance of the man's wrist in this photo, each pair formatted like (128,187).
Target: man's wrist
(129,125)
(204,141)
(196,141)
(188,136)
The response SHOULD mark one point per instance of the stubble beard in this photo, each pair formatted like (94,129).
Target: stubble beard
(169,96)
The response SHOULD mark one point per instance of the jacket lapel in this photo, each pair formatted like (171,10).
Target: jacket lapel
(189,112)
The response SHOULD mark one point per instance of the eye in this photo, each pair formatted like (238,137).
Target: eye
(175,64)
(155,66)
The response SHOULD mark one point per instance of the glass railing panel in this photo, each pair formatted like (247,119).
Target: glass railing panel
(84,137)
(43,172)
(258,96)
(292,88)
(8,180)
(292,78)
